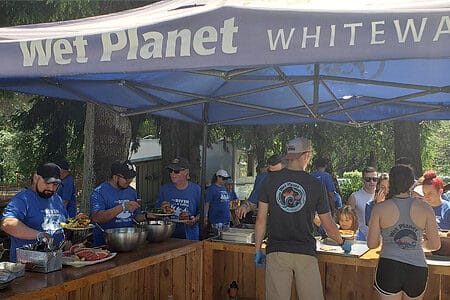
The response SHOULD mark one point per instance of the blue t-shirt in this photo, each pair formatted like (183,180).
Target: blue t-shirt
(182,200)
(104,197)
(67,192)
(219,204)
(253,198)
(442,213)
(37,213)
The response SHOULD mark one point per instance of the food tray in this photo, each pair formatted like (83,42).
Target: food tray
(37,261)
(239,235)
(10,271)
(328,246)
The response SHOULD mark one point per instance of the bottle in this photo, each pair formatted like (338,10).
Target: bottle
(232,291)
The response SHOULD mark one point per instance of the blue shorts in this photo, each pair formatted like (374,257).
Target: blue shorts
(392,277)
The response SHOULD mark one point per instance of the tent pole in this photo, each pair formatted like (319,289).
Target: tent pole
(316,89)
(203,229)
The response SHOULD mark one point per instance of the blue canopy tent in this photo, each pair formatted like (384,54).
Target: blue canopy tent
(234,62)
(251,62)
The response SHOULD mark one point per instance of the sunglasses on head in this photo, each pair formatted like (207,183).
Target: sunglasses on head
(176,171)
(369,179)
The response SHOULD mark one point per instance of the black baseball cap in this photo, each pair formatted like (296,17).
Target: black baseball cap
(50,172)
(124,168)
(178,163)
(275,159)
(64,165)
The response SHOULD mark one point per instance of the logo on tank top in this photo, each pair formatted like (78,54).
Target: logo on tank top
(291,197)
(405,236)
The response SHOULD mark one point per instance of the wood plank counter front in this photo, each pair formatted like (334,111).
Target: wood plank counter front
(153,271)
(343,277)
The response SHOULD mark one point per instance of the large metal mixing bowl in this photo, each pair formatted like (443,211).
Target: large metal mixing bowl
(158,230)
(125,239)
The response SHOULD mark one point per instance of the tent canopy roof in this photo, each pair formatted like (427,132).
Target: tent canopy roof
(244,62)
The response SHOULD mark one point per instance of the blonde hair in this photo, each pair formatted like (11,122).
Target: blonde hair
(349,211)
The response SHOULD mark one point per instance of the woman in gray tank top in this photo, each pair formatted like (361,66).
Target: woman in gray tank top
(407,226)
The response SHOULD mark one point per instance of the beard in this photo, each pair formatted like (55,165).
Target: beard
(45,194)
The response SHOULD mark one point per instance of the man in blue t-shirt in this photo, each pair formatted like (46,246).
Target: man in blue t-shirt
(320,165)
(114,202)
(275,163)
(183,196)
(67,189)
(36,213)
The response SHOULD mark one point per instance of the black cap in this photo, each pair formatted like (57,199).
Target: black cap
(124,168)
(178,163)
(261,164)
(275,159)
(50,172)
(64,165)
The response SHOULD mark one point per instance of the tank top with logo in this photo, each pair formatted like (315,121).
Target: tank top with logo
(403,241)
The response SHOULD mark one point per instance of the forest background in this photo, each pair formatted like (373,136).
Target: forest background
(35,128)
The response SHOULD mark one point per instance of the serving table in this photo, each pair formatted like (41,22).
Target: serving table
(343,277)
(153,271)
(201,270)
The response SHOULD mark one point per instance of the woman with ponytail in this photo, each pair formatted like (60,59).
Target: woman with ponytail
(433,187)
(407,226)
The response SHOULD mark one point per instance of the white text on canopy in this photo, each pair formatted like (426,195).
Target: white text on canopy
(147,45)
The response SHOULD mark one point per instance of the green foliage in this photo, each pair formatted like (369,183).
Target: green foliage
(351,183)
(436,146)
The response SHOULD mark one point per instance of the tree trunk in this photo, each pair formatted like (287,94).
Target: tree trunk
(107,138)
(407,143)
(181,139)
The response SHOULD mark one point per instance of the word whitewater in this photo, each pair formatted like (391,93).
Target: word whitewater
(133,44)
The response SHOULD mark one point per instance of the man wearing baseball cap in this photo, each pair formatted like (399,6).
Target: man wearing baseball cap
(114,202)
(183,196)
(288,201)
(217,202)
(275,163)
(37,212)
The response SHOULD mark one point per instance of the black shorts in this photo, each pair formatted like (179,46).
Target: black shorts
(392,277)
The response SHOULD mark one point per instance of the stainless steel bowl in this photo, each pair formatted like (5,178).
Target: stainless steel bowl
(125,239)
(158,230)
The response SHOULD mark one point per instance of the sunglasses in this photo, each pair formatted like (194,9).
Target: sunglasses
(175,171)
(369,179)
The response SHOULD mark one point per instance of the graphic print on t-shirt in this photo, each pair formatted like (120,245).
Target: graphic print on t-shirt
(52,219)
(405,236)
(291,197)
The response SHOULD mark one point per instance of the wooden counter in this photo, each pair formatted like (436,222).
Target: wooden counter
(343,277)
(153,271)
(201,270)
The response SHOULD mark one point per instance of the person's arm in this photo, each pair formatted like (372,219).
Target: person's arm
(432,241)
(374,232)
(205,218)
(330,228)
(16,228)
(244,209)
(260,225)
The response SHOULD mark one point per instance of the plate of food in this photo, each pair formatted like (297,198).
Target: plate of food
(89,226)
(79,256)
(80,222)
(347,234)
(77,263)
